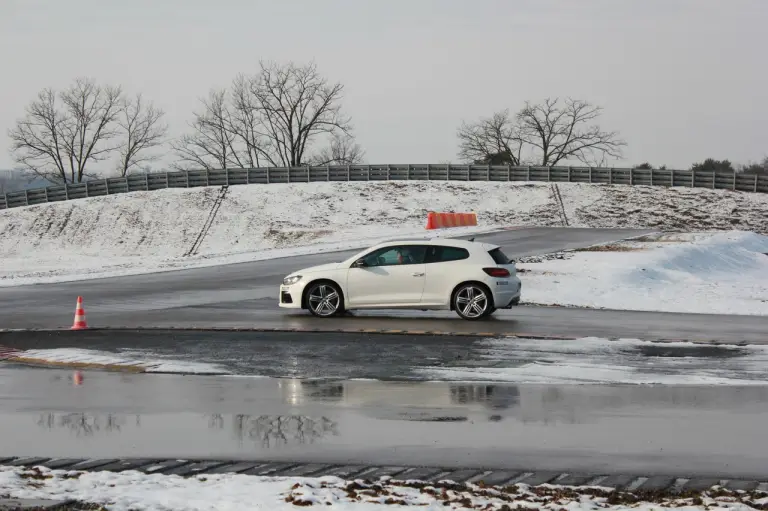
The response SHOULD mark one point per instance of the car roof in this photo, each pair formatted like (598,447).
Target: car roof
(452,242)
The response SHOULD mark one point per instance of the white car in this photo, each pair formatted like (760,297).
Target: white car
(472,278)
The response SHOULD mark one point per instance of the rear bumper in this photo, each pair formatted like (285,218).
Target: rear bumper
(508,296)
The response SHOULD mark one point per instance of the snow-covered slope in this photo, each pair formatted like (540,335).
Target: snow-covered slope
(722,273)
(151,231)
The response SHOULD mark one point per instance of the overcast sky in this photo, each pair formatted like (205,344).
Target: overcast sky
(681,80)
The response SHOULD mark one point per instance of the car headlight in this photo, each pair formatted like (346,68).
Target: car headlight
(287,281)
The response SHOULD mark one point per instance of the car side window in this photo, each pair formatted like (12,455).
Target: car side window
(395,256)
(440,254)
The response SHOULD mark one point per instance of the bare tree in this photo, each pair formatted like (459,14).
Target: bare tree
(560,131)
(143,128)
(342,151)
(62,133)
(296,105)
(492,140)
(211,145)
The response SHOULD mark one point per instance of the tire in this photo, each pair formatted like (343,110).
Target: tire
(324,300)
(472,302)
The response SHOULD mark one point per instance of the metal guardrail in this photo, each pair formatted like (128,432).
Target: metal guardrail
(197,178)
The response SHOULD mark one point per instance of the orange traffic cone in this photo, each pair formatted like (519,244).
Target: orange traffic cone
(80,323)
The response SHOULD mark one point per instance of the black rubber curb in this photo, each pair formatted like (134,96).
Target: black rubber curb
(194,467)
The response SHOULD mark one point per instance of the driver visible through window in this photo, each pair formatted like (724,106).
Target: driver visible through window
(392,256)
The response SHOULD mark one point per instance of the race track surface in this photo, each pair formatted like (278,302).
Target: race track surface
(587,429)
(244,296)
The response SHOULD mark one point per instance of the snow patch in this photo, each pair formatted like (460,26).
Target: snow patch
(94,358)
(134,490)
(717,273)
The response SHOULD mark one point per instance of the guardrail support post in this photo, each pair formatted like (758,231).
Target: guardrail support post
(86,190)
(488,173)
(693,178)
(348,176)
(590,175)
(186,174)
(368,172)
(756,177)
(631,177)
(106,185)
(328,173)
(528,173)
(66,190)
(409,172)
(569,174)
(610,176)
(289,173)
(268,174)
(714,179)
(46,194)
(651,177)
(146,181)
(389,172)
(549,174)
(509,172)
(26,196)
(734,179)
(672,179)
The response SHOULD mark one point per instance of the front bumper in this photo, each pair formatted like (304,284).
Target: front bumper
(290,296)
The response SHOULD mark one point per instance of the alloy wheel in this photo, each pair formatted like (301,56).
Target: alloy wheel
(471,302)
(324,300)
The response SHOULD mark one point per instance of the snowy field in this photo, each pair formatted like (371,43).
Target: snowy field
(582,361)
(145,232)
(132,490)
(718,273)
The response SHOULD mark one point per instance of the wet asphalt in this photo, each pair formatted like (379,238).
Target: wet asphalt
(397,357)
(651,429)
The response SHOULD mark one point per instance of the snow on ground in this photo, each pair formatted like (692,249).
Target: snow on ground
(133,490)
(78,357)
(719,273)
(594,360)
(145,232)
(582,361)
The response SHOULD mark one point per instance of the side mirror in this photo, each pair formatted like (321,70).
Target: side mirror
(360,263)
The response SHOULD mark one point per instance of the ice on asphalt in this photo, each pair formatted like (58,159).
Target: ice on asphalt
(132,490)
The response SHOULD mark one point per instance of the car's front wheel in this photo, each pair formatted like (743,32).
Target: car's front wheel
(472,302)
(324,300)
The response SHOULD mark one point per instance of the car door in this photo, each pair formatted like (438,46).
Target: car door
(444,266)
(387,278)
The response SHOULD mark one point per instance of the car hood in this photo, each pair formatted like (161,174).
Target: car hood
(320,267)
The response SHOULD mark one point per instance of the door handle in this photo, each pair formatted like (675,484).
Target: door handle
(418,274)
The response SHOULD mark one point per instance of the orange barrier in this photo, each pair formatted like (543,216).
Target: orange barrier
(446,220)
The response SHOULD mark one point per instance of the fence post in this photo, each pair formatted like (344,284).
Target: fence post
(756,177)
(528,173)
(590,175)
(187,177)
(447,171)
(146,181)
(66,191)
(268,174)
(289,173)
(389,172)
(488,173)
(509,172)
(348,174)
(368,172)
(328,173)
(693,178)
(46,194)
(610,176)
(672,179)
(631,177)
(106,185)
(26,196)
(734,180)
(409,172)
(651,177)
(167,182)
(714,178)
(309,172)
(86,190)
(549,174)
(127,186)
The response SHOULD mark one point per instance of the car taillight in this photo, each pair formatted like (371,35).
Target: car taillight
(497,272)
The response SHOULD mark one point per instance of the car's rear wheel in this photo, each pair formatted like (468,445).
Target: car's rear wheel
(324,300)
(472,302)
